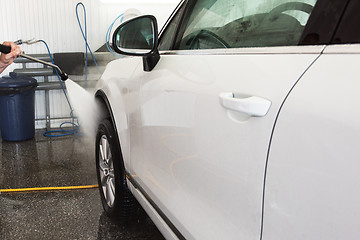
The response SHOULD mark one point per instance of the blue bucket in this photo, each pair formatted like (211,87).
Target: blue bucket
(17,107)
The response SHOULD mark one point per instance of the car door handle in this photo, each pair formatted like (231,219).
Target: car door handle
(250,105)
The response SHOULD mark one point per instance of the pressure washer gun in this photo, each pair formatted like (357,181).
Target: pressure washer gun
(7,49)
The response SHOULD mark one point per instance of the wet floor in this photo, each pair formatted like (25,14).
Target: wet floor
(71,214)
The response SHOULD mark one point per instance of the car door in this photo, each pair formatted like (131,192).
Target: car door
(312,186)
(208,109)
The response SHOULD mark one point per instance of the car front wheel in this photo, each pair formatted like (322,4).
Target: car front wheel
(116,198)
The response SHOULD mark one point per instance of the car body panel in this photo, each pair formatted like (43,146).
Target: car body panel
(312,184)
(182,124)
(121,92)
(204,171)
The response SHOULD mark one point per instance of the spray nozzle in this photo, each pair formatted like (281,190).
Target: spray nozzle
(63,76)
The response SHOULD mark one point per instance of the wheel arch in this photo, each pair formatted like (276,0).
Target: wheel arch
(105,107)
(107,113)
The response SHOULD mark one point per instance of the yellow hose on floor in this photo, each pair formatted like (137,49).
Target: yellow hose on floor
(46,189)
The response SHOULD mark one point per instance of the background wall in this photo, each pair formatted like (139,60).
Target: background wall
(55,22)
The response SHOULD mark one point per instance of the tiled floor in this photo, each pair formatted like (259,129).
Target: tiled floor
(71,214)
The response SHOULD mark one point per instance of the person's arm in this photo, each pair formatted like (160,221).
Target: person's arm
(7,59)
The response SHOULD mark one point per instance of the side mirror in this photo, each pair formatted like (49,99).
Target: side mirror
(138,37)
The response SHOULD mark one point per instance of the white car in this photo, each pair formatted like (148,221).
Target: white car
(240,121)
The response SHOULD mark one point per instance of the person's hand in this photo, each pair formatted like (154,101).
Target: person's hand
(7,59)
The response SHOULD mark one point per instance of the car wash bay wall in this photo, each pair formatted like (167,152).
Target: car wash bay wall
(55,22)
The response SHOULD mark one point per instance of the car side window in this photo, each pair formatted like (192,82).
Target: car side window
(348,29)
(243,23)
(167,37)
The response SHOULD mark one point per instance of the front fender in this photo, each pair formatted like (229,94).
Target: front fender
(115,95)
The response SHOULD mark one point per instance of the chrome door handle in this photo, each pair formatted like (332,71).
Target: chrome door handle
(250,105)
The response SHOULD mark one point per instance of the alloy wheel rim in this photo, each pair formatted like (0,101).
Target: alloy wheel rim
(106,170)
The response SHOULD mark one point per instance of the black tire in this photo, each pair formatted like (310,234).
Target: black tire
(117,200)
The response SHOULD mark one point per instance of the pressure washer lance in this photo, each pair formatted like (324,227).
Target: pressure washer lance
(7,49)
